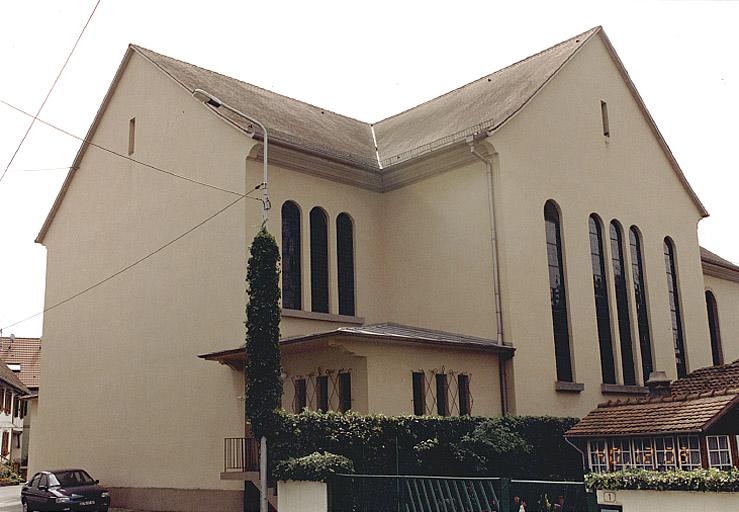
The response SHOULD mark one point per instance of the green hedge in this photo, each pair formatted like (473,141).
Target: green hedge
(530,447)
(316,467)
(679,480)
(8,477)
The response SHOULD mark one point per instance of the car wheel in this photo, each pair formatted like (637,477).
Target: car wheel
(25,507)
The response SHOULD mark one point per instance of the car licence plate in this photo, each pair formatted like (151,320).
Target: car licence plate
(86,503)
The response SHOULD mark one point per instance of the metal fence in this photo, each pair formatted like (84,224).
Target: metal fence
(391,493)
(240,454)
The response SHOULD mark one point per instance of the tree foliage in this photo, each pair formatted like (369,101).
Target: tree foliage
(519,447)
(263,384)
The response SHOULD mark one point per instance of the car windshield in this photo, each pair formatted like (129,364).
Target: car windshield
(74,478)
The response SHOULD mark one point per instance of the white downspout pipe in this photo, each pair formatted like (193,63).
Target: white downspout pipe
(493,240)
(500,337)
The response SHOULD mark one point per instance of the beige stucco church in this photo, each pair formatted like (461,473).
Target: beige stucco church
(525,244)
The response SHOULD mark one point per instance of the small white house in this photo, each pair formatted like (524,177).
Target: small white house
(12,412)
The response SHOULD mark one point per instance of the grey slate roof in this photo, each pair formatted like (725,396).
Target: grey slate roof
(483,104)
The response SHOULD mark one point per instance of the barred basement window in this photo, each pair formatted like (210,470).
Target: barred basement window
(713,327)
(622,304)
(319,260)
(674,296)
(602,309)
(292,290)
(442,395)
(640,295)
(345,263)
(345,392)
(719,452)
(463,391)
(419,393)
(301,395)
(322,392)
(562,355)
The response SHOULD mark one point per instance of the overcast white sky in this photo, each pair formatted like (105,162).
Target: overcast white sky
(367,60)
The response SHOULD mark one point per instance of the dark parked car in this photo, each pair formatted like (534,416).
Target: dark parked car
(64,490)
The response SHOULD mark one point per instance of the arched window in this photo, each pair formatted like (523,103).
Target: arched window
(291,272)
(345,263)
(674,296)
(318,260)
(640,295)
(716,349)
(602,309)
(622,304)
(557,293)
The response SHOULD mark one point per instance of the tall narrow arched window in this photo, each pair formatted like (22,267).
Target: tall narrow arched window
(291,247)
(716,349)
(622,304)
(674,296)
(640,296)
(345,263)
(558,294)
(318,260)
(602,309)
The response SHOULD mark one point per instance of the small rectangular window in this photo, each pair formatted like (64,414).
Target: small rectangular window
(598,450)
(719,452)
(419,394)
(345,391)
(322,392)
(442,401)
(604,118)
(131,135)
(463,384)
(300,395)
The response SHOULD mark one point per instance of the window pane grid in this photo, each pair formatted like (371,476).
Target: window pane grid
(677,329)
(557,294)
(319,260)
(719,452)
(345,260)
(622,305)
(291,256)
(640,295)
(602,309)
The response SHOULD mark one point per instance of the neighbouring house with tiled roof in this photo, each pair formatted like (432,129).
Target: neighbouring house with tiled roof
(524,244)
(13,410)
(689,424)
(23,356)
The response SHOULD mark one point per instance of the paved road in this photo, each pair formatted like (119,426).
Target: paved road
(10,499)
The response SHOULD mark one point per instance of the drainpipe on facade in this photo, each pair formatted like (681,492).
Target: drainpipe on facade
(496,270)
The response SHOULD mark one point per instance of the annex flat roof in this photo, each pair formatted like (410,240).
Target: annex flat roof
(381,333)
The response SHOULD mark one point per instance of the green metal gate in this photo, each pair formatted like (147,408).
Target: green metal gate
(410,493)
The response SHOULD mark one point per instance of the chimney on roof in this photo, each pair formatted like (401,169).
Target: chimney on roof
(658,384)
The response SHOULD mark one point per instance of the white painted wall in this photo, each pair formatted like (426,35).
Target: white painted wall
(302,496)
(670,501)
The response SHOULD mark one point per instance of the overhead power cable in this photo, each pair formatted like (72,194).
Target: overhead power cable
(120,155)
(140,260)
(51,89)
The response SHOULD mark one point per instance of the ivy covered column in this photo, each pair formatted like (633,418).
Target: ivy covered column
(262,368)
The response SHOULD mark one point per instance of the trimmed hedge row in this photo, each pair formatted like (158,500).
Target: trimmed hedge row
(525,446)
(316,467)
(704,480)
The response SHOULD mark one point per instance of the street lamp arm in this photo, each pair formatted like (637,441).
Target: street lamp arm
(209,99)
